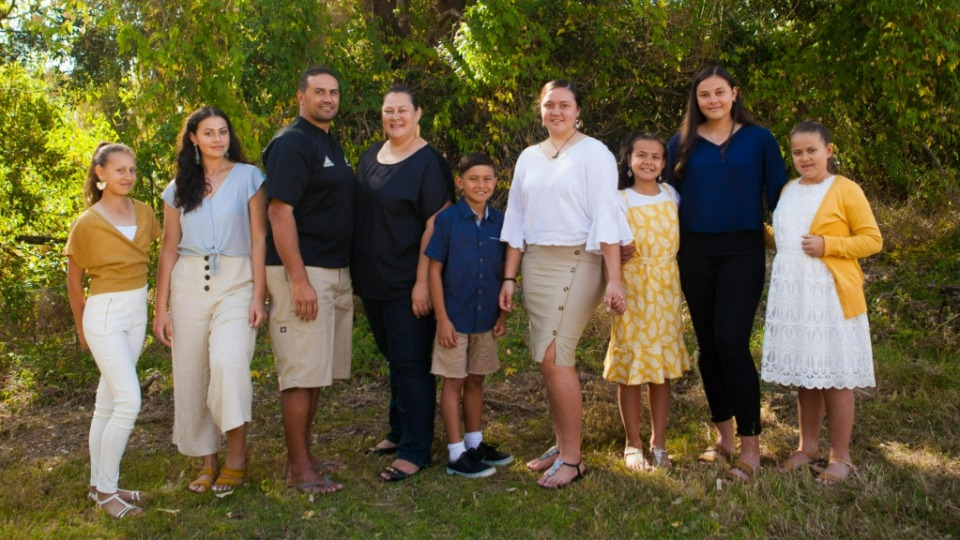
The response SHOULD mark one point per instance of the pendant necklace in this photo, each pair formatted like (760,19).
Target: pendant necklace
(555,156)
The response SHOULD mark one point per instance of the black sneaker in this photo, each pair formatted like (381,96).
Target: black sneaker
(489,454)
(470,466)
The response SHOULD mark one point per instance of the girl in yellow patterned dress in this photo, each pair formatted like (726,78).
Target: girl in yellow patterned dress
(646,342)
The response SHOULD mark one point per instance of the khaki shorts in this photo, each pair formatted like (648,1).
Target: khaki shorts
(474,354)
(310,354)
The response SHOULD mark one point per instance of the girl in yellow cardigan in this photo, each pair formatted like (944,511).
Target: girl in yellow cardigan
(817,336)
(110,244)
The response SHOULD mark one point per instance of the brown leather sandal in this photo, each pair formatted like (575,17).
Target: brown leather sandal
(790,465)
(829,479)
(740,472)
(715,453)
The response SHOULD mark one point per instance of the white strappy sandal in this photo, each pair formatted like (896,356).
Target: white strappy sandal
(127,507)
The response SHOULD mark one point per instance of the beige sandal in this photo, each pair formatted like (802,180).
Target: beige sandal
(829,479)
(745,470)
(789,465)
(715,453)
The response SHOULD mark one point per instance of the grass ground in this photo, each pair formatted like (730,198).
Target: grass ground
(906,443)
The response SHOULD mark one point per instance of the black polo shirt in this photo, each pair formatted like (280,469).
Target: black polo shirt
(306,168)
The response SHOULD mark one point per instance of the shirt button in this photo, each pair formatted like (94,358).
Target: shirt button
(206,257)
(481,259)
(554,332)
(565,289)
(207,277)
(206,287)
(207,267)
(481,274)
(561,308)
(577,252)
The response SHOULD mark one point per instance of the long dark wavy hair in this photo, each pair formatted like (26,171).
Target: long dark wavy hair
(625,180)
(694,117)
(191,186)
(91,193)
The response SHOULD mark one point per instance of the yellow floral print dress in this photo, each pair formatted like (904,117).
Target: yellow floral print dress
(646,342)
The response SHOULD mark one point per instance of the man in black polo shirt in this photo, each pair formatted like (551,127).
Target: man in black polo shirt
(310,186)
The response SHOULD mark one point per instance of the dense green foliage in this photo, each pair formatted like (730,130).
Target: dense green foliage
(881,73)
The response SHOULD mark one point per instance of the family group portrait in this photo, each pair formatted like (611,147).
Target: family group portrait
(479,269)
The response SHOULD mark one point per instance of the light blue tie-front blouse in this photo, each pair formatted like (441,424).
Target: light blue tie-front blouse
(221,224)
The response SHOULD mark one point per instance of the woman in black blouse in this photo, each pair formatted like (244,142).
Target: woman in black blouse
(403,183)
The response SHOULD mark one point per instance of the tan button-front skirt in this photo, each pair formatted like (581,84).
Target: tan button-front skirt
(562,288)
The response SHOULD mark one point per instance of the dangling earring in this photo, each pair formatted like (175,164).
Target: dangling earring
(101,185)
(226,155)
(578,123)
(196,152)
(630,173)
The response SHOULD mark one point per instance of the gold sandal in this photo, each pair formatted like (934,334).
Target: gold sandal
(203,482)
(229,479)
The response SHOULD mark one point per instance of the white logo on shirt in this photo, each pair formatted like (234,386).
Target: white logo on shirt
(327,162)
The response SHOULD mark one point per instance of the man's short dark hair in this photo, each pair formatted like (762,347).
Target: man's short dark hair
(314,71)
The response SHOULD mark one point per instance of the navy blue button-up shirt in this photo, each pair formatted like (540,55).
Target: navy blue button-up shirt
(472,257)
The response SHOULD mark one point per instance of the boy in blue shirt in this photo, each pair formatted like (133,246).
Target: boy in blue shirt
(466,268)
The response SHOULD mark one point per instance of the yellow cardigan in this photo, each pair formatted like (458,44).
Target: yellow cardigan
(849,230)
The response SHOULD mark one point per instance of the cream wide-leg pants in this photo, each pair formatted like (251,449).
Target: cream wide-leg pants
(212,348)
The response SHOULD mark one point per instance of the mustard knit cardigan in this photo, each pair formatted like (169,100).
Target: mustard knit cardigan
(850,232)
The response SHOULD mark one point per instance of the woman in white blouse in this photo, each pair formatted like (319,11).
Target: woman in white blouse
(564,222)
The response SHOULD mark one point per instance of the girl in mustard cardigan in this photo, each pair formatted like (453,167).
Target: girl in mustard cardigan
(110,243)
(816,335)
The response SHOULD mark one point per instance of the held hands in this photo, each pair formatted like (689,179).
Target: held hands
(421,299)
(162,327)
(446,334)
(614,299)
(812,245)
(304,300)
(506,295)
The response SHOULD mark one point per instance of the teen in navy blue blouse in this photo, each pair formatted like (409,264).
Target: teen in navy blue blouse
(723,165)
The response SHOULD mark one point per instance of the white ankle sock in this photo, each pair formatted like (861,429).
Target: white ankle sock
(473,439)
(456,450)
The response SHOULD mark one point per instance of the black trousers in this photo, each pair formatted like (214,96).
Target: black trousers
(722,279)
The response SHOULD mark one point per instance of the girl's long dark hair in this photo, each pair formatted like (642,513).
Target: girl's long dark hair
(625,180)
(694,117)
(191,186)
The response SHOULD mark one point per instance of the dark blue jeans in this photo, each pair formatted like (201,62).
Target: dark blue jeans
(722,279)
(407,344)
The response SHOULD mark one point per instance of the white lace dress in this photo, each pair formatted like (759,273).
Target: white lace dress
(807,341)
